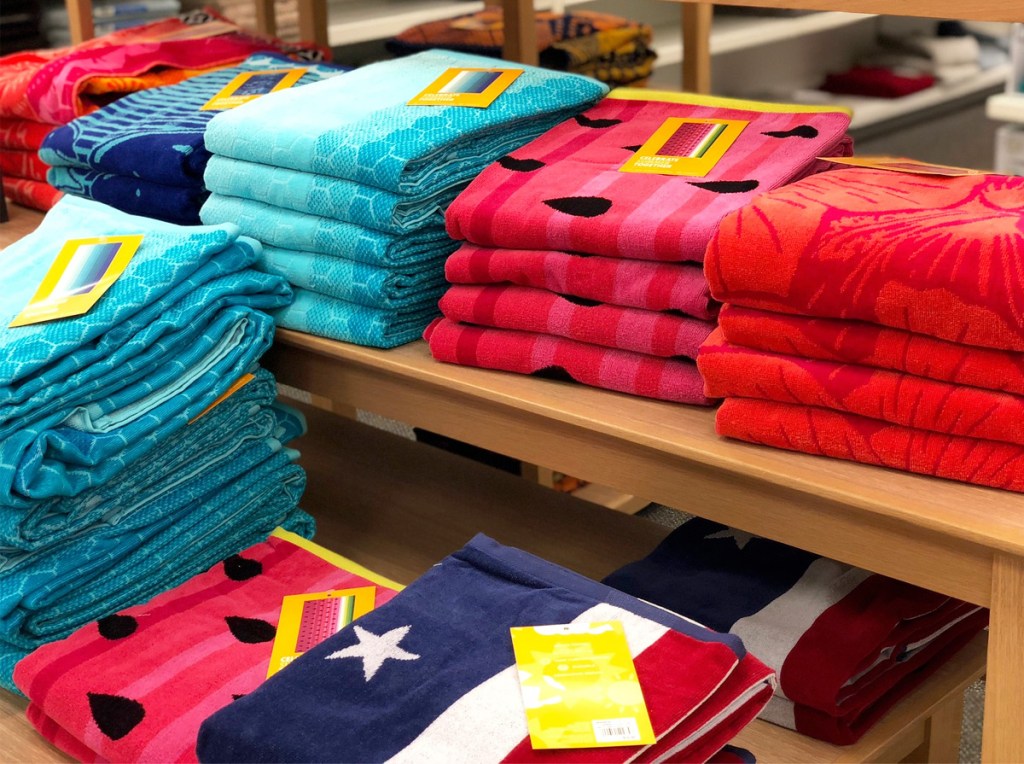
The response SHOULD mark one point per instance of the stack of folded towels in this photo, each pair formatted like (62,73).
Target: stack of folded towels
(140,441)
(431,675)
(136,685)
(576,270)
(344,183)
(144,153)
(608,48)
(876,316)
(44,88)
(847,644)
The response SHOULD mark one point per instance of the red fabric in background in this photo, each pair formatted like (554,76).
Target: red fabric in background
(22,164)
(876,82)
(31,193)
(22,133)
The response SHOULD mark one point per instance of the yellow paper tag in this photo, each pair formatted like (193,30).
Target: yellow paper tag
(477,88)
(580,687)
(902,164)
(241,382)
(82,272)
(249,86)
(685,146)
(308,619)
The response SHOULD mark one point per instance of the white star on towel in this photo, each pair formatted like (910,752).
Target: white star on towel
(374,649)
(740,537)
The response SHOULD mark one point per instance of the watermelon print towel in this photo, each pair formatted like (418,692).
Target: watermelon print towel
(442,684)
(537,310)
(677,287)
(136,685)
(865,344)
(564,190)
(547,356)
(847,644)
(938,256)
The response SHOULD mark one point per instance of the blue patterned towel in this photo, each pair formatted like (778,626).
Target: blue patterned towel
(348,322)
(157,134)
(310,233)
(80,398)
(352,281)
(330,197)
(359,127)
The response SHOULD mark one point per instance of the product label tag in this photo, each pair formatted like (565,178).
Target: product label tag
(902,164)
(241,382)
(82,272)
(477,88)
(308,619)
(685,146)
(580,687)
(249,86)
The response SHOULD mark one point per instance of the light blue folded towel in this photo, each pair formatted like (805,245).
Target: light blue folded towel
(361,128)
(345,321)
(287,229)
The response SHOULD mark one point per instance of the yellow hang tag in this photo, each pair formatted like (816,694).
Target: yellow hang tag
(241,382)
(477,88)
(82,272)
(580,687)
(902,164)
(685,146)
(249,86)
(308,619)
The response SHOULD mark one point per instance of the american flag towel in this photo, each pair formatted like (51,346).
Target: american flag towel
(431,677)
(847,644)
(136,685)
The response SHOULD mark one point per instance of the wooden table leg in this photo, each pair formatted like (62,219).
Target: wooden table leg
(266,19)
(80,20)
(697,47)
(942,734)
(520,32)
(1003,737)
(313,21)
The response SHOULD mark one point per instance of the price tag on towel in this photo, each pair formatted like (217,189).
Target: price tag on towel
(580,687)
(308,619)
(902,164)
(685,146)
(477,88)
(82,272)
(249,86)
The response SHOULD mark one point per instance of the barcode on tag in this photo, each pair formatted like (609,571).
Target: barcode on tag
(615,730)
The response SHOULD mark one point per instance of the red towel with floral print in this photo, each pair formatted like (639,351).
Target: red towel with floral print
(31,193)
(677,287)
(22,133)
(858,342)
(732,371)
(544,312)
(564,190)
(933,255)
(872,441)
(543,355)
(22,164)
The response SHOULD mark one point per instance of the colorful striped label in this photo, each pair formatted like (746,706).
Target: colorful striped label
(476,88)
(685,146)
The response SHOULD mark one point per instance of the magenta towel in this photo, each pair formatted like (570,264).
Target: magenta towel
(564,190)
(537,310)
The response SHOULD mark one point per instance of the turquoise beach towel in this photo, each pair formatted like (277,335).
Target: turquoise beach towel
(384,288)
(360,128)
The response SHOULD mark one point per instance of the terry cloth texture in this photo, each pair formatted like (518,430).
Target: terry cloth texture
(83,397)
(22,133)
(31,193)
(564,190)
(552,357)
(19,163)
(847,644)
(136,196)
(136,685)
(445,686)
(676,287)
(538,310)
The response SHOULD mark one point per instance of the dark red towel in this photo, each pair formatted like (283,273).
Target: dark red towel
(542,355)
(543,312)
(632,283)
(876,82)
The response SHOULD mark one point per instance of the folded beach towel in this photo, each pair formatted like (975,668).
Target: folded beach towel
(31,193)
(934,255)
(858,342)
(877,82)
(846,643)
(675,287)
(22,133)
(21,163)
(179,657)
(157,134)
(132,194)
(359,127)
(565,191)
(329,197)
(445,687)
(620,57)
(542,355)
(872,441)
(544,312)
(352,281)
(310,233)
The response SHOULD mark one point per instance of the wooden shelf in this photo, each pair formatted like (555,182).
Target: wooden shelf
(1007,107)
